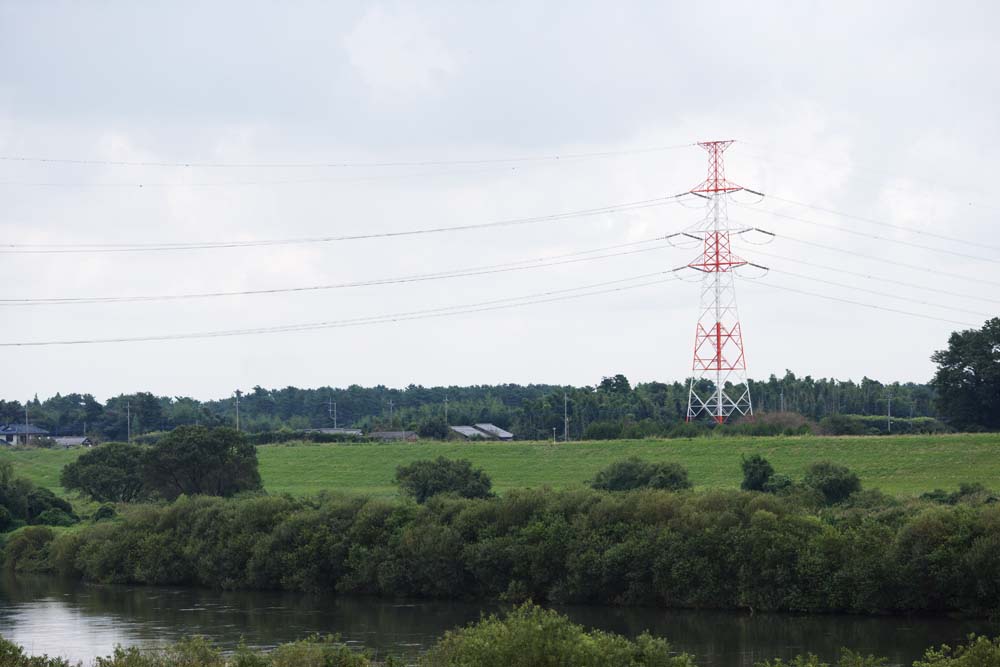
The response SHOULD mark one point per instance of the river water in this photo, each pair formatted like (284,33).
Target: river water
(80,621)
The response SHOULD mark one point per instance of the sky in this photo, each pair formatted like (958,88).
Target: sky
(870,128)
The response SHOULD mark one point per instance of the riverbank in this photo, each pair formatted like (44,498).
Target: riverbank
(899,465)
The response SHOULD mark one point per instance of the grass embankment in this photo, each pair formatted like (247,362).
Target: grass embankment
(904,465)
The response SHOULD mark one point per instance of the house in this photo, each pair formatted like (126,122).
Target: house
(483,432)
(20,434)
(469,433)
(408,436)
(495,431)
(67,441)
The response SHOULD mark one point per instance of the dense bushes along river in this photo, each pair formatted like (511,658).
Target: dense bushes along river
(719,549)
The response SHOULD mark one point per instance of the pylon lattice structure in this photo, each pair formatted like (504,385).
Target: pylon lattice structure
(719,357)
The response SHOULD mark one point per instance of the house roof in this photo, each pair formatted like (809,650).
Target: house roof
(21,429)
(71,439)
(495,431)
(393,435)
(469,432)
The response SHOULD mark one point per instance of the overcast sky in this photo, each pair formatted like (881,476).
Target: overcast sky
(885,111)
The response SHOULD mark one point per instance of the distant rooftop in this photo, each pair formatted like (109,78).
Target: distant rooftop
(21,429)
(495,431)
(469,432)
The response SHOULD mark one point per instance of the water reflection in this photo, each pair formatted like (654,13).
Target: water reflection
(81,621)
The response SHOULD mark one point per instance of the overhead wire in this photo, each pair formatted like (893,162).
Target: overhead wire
(341,164)
(506,267)
(880,223)
(881,279)
(549,296)
(877,237)
(90,248)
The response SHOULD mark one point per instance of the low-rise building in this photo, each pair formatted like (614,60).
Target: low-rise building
(387,436)
(20,434)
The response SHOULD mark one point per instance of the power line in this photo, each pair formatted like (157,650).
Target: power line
(863,304)
(340,164)
(43,248)
(520,265)
(877,237)
(881,223)
(496,304)
(869,276)
(917,267)
(878,293)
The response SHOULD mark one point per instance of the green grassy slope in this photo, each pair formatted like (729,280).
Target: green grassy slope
(898,464)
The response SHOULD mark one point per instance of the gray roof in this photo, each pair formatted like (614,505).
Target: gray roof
(495,431)
(21,429)
(71,440)
(469,432)
(393,435)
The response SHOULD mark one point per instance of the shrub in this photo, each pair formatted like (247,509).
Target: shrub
(634,473)
(603,430)
(7,521)
(835,482)
(107,473)
(435,428)
(27,550)
(423,479)
(55,517)
(12,655)
(778,483)
(530,636)
(756,473)
(105,512)
(979,652)
(847,659)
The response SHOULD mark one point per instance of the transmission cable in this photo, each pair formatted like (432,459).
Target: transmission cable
(869,276)
(520,265)
(877,237)
(49,248)
(342,164)
(495,304)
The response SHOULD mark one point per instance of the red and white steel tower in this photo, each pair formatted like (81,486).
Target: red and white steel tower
(719,356)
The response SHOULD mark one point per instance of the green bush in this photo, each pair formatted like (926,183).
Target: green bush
(422,479)
(634,473)
(756,473)
(12,655)
(847,659)
(530,636)
(105,512)
(107,473)
(7,521)
(28,549)
(55,517)
(835,482)
(979,652)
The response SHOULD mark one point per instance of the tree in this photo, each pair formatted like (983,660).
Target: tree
(835,482)
(634,473)
(110,473)
(756,473)
(967,380)
(423,479)
(194,460)
(435,427)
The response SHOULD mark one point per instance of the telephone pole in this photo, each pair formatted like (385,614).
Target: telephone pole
(238,392)
(565,417)
(128,421)
(331,408)
(446,410)
(888,414)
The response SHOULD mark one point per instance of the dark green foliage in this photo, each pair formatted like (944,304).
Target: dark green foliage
(716,549)
(979,652)
(778,483)
(756,473)
(194,460)
(27,503)
(634,473)
(12,655)
(847,659)
(435,427)
(105,512)
(107,473)
(839,424)
(423,479)
(530,636)
(967,380)
(967,493)
(7,521)
(835,482)
(28,549)
(603,430)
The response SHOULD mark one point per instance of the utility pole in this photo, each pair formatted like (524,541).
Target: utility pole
(26,422)
(331,407)
(128,420)
(888,413)
(553,435)
(446,410)
(565,417)
(390,412)
(782,399)
(238,392)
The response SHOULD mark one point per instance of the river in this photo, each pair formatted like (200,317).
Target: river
(80,621)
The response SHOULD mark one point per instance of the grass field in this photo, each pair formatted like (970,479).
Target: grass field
(898,464)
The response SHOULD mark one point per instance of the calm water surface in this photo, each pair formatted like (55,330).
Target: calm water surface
(81,621)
